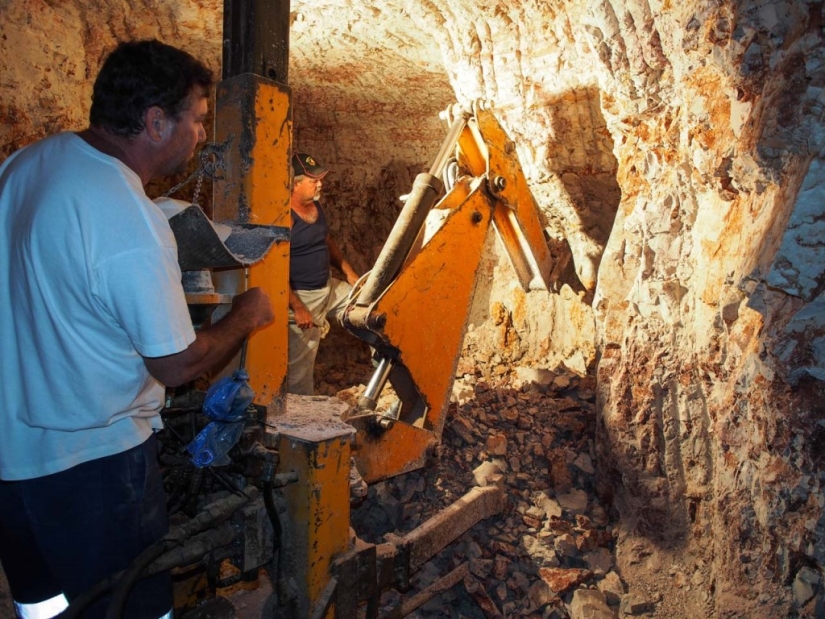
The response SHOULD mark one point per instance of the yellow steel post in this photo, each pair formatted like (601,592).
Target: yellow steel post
(253,115)
(317,448)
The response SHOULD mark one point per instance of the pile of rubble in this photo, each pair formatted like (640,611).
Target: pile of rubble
(551,552)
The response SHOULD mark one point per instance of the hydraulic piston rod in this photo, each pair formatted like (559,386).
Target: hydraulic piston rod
(424,194)
(376,385)
(448,146)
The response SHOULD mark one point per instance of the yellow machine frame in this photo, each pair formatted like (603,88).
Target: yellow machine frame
(253,116)
(413,308)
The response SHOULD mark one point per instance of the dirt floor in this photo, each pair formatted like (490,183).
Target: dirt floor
(555,538)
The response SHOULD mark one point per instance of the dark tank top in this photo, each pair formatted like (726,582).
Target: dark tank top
(308,253)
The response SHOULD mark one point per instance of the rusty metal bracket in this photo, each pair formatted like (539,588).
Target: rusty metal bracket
(366,570)
(446,526)
(422,597)
(355,573)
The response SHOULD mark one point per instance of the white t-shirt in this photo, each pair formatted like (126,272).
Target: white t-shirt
(89,285)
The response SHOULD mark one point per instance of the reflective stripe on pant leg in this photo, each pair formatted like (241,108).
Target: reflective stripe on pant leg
(42,610)
(168,615)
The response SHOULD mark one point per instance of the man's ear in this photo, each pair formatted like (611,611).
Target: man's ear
(156,123)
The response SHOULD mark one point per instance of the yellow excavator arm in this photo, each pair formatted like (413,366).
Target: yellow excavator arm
(413,307)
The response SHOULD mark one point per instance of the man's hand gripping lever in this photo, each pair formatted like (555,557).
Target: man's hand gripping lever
(254,308)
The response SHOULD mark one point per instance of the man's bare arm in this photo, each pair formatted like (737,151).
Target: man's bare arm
(215,345)
(303,317)
(337,259)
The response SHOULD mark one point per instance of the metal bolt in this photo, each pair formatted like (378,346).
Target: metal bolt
(386,423)
(499,183)
(377,322)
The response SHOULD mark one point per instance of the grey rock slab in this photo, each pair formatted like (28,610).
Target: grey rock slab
(590,604)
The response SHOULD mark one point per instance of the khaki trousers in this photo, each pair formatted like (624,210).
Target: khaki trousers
(324,304)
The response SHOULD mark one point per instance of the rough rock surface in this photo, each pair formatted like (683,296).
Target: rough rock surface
(552,552)
(676,153)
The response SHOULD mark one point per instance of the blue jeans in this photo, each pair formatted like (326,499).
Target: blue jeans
(67,531)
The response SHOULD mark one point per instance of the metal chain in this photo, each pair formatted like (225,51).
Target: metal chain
(211,164)
(198,184)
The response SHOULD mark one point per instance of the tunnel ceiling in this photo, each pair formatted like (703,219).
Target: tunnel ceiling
(372,52)
(376,55)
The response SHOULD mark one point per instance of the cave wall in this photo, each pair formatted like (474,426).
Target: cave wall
(707,286)
(675,151)
(709,416)
(50,53)
(678,147)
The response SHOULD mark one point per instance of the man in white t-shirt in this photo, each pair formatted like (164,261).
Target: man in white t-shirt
(94,325)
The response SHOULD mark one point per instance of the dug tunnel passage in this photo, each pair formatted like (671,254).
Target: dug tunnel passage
(655,416)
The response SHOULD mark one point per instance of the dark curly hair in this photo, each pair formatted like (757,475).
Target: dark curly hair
(138,75)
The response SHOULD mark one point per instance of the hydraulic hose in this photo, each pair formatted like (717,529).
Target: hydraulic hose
(123,582)
(283,591)
(126,582)
(79,605)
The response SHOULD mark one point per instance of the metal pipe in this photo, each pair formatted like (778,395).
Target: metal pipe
(369,400)
(426,189)
(446,151)
(443,584)
(429,538)
(256,38)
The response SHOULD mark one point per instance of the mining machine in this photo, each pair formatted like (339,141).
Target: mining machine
(280,501)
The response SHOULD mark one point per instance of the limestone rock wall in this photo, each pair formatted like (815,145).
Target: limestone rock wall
(676,153)
(51,51)
(678,149)
(708,294)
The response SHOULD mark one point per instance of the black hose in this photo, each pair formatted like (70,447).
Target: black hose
(79,605)
(124,581)
(127,581)
(284,604)
(271,511)
(85,599)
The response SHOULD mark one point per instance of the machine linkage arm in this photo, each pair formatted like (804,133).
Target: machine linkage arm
(413,307)
(365,571)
